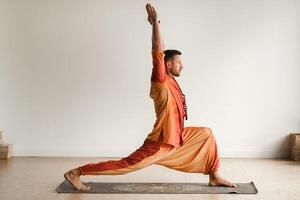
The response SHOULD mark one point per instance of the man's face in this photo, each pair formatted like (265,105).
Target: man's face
(175,65)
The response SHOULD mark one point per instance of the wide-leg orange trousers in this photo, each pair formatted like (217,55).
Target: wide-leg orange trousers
(198,154)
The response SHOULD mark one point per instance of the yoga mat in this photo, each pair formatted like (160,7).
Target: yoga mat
(158,188)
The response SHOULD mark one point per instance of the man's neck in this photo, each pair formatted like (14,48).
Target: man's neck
(170,75)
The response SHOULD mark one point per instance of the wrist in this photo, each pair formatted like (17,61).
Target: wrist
(156,21)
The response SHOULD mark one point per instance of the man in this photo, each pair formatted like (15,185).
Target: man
(170,144)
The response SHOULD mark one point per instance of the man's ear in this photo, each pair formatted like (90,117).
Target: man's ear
(168,64)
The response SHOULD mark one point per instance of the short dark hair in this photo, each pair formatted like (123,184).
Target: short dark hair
(170,53)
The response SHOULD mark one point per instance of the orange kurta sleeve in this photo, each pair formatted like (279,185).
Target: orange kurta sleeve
(158,69)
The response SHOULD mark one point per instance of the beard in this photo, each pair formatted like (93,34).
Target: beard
(175,73)
(178,73)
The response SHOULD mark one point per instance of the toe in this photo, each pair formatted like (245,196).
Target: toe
(85,188)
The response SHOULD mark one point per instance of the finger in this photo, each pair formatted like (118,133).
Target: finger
(149,6)
(153,11)
(149,20)
(148,9)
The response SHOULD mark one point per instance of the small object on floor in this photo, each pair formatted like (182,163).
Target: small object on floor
(295,146)
(5,151)
(158,188)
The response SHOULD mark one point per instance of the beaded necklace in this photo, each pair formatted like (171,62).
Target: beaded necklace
(183,97)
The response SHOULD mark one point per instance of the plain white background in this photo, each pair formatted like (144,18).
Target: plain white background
(75,75)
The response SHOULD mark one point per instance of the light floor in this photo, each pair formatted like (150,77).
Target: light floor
(35,178)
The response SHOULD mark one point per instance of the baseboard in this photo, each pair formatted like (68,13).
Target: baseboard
(122,153)
(254,154)
(70,153)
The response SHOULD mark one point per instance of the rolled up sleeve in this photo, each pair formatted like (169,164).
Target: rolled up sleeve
(158,70)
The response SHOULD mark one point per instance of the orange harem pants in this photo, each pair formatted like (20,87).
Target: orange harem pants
(198,154)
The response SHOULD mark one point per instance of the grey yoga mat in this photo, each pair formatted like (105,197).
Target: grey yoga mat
(158,188)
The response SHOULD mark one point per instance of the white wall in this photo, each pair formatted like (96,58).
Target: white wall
(75,75)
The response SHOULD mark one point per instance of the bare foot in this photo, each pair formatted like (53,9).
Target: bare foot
(73,177)
(217,180)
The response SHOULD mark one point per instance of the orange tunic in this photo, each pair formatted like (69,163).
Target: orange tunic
(168,103)
(198,149)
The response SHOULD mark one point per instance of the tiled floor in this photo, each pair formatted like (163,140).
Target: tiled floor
(37,177)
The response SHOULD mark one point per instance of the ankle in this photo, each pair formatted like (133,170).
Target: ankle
(213,175)
(76,172)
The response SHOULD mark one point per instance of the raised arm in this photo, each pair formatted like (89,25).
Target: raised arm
(157,42)
(158,71)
